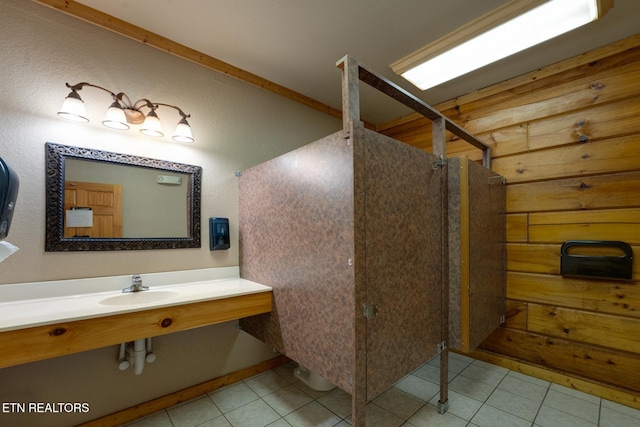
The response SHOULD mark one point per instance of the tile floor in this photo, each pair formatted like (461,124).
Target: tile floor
(480,394)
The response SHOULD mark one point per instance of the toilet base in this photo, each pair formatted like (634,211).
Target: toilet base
(312,379)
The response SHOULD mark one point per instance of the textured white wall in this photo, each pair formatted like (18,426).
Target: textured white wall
(235,126)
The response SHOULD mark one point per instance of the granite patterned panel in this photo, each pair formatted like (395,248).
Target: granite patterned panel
(455,267)
(359,390)
(297,235)
(403,259)
(487,228)
(341,223)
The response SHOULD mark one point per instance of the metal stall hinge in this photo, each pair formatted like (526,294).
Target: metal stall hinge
(369,311)
(503,319)
(441,162)
(442,347)
(347,137)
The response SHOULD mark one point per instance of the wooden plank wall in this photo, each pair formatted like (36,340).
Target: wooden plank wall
(567,139)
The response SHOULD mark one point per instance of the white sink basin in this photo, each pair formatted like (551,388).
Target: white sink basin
(135,298)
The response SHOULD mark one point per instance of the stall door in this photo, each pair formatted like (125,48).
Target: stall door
(476,253)
(403,217)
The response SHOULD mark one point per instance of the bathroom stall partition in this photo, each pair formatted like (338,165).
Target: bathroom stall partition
(352,232)
(476,246)
(344,231)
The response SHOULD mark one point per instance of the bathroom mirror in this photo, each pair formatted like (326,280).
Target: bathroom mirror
(100,201)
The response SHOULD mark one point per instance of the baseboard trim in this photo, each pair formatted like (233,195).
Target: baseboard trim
(155,405)
(587,386)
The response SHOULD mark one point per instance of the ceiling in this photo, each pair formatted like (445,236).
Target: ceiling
(296,43)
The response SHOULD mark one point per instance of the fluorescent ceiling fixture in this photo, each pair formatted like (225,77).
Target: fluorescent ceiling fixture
(511,28)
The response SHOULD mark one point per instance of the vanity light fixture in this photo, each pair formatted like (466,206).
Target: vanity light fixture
(123,112)
(511,28)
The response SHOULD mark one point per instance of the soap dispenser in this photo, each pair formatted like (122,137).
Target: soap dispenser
(219,234)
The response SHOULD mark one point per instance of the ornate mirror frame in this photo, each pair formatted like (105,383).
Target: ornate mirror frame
(55,156)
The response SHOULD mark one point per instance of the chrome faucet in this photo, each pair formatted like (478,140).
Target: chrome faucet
(136,285)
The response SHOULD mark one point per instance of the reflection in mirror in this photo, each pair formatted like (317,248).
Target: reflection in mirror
(138,202)
(98,200)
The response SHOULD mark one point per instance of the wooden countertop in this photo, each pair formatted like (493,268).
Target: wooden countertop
(43,328)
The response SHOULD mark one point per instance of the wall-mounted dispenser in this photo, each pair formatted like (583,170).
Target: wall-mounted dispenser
(8,196)
(597,259)
(219,234)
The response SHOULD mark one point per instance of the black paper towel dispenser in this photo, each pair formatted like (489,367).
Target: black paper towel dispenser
(8,196)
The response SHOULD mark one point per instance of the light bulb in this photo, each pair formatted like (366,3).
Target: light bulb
(183,131)
(73,108)
(115,118)
(151,125)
